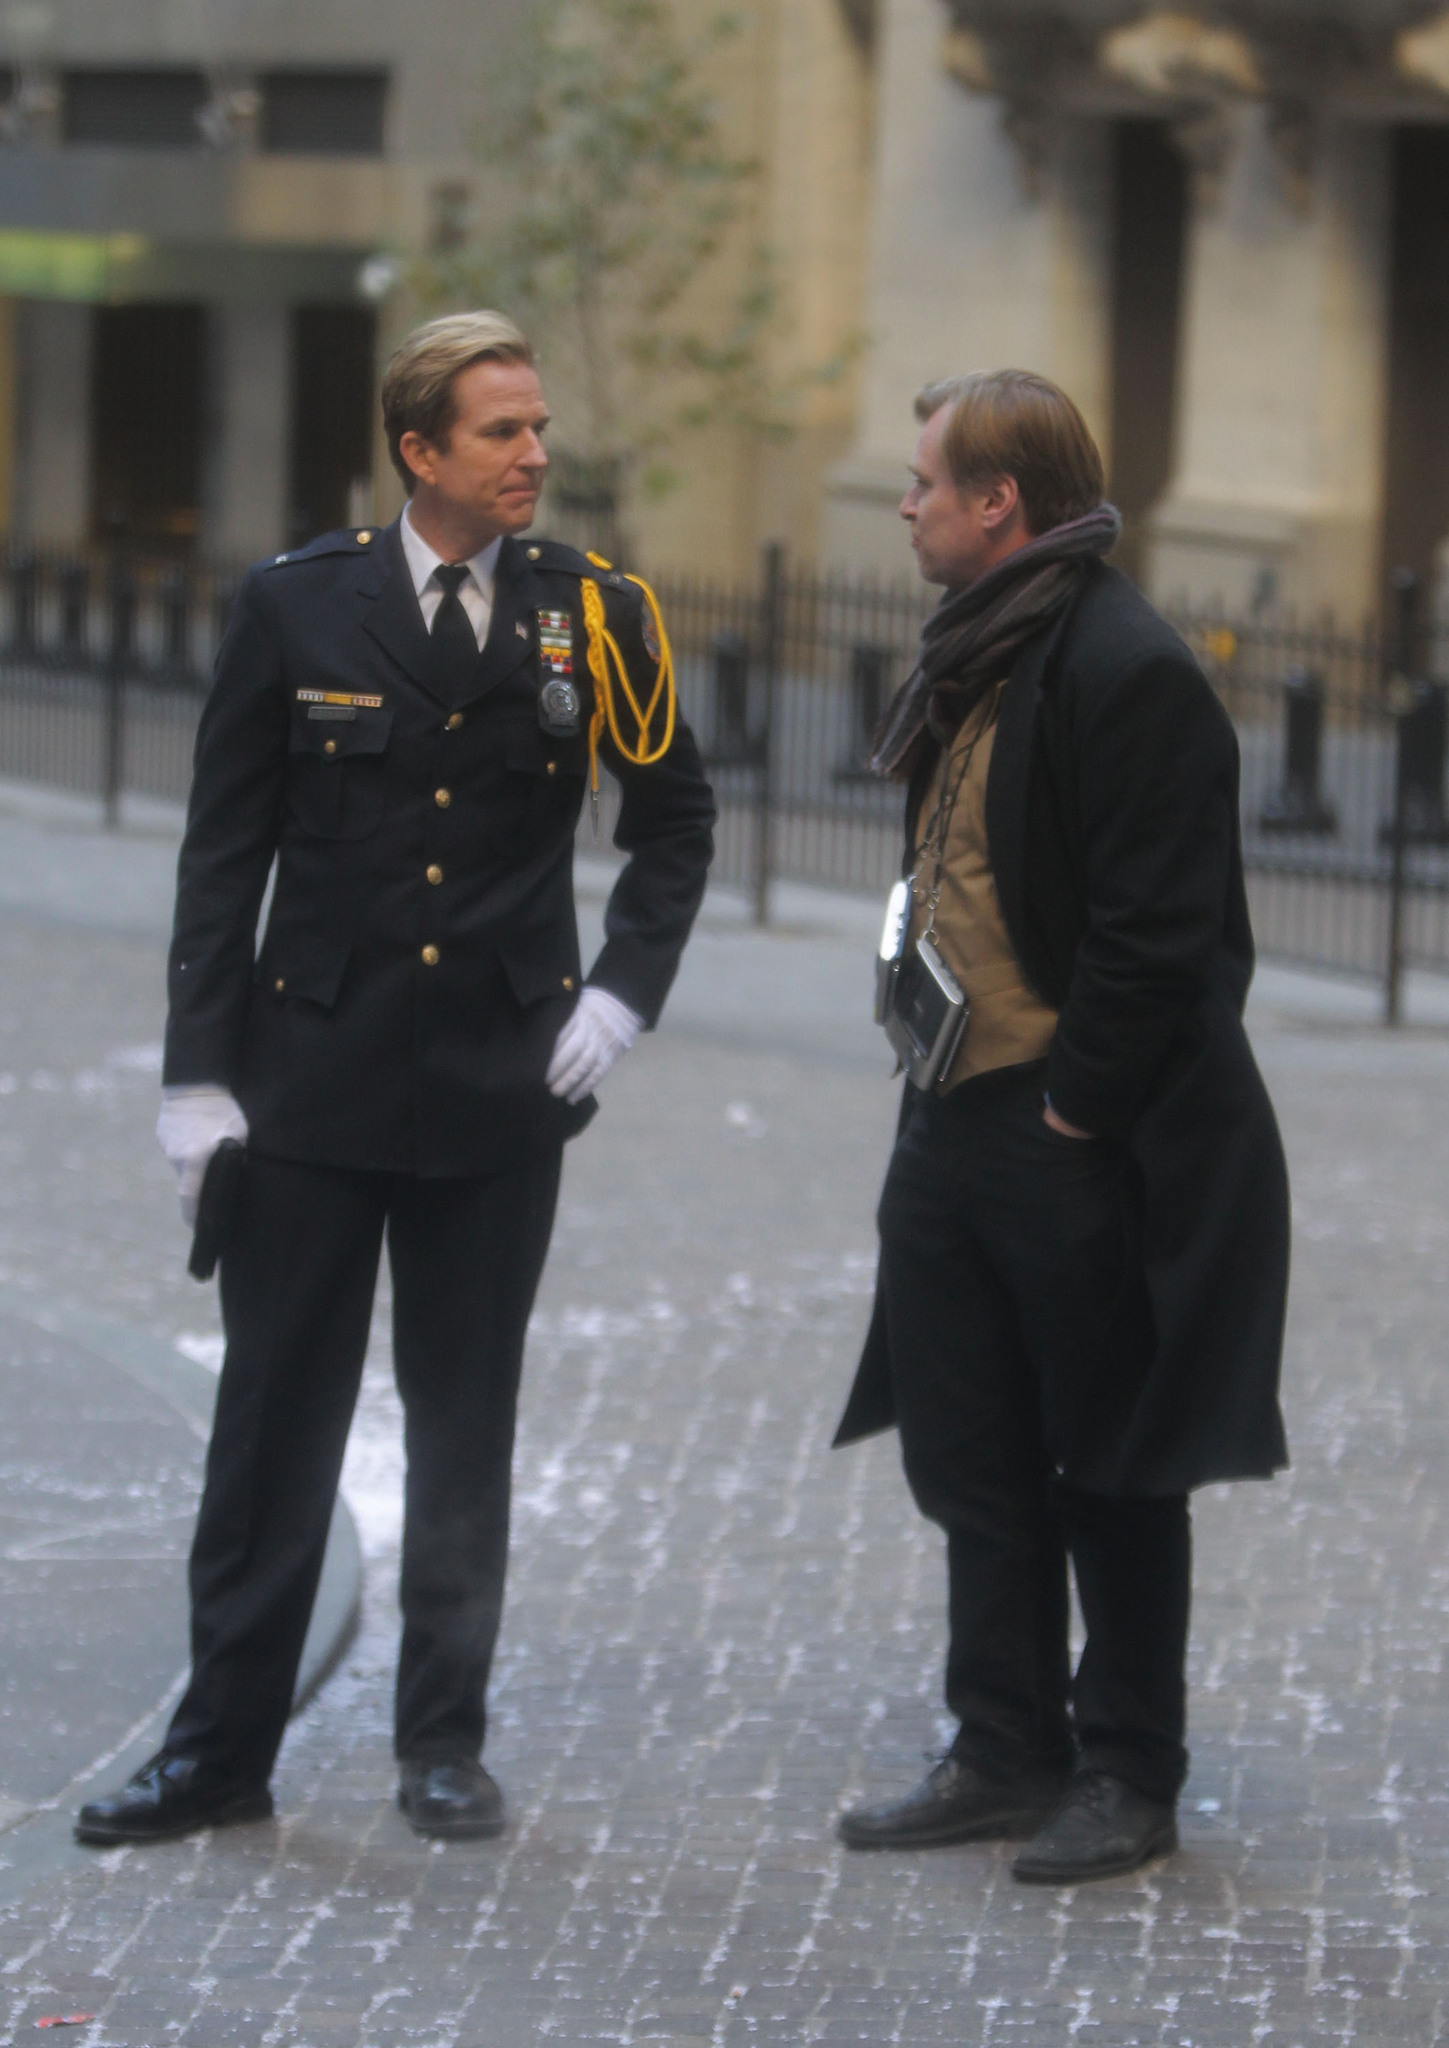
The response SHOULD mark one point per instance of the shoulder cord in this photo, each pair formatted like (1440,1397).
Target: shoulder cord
(606,663)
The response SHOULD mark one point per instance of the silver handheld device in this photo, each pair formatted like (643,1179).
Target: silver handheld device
(892,949)
(926,1013)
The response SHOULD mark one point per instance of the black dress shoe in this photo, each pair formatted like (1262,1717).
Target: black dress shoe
(168,1797)
(453,1797)
(956,1802)
(1102,1827)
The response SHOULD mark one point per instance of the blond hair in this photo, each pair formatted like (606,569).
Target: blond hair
(417,388)
(1017,424)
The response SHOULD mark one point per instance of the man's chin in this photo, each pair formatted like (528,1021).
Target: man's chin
(517,518)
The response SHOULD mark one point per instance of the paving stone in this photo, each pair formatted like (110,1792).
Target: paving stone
(719,1633)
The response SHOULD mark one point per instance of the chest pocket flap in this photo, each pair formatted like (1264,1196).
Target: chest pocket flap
(336,733)
(337,787)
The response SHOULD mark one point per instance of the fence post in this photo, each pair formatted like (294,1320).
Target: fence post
(118,660)
(1394,964)
(24,600)
(1298,806)
(1406,594)
(176,598)
(772,634)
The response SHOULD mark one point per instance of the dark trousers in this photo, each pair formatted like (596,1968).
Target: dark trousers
(297,1284)
(1017,1320)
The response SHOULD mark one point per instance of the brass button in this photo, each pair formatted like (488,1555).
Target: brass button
(280,983)
(534,554)
(568,981)
(430,956)
(329,746)
(365,536)
(435,874)
(442,798)
(553,767)
(455,721)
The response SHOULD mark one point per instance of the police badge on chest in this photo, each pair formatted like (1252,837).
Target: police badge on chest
(559,711)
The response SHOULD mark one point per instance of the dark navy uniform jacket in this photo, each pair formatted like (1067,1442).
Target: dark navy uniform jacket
(421,950)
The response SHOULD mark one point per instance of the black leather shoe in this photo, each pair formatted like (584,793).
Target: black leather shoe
(955,1802)
(168,1797)
(1102,1827)
(453,1797)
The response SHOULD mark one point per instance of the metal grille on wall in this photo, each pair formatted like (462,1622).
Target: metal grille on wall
(103,668)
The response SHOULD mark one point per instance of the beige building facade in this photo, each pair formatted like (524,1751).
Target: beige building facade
(209,210)
(1224,228)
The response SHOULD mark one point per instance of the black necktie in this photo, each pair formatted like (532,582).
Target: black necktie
(455,645)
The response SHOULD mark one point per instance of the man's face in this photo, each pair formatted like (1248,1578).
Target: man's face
(957,534)
(489,475)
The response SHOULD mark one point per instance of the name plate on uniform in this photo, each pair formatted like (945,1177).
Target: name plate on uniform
(336,703)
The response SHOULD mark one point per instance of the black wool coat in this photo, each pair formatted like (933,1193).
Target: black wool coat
(402,817)
(1112,823)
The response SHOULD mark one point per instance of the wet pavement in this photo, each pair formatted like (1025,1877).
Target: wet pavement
(718,1631)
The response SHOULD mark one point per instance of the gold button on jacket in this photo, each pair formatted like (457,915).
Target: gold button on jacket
(430,956)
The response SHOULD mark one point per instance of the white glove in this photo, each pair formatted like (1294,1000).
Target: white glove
(192,1123)
(598,1033)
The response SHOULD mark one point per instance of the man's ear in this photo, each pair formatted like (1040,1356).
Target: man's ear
(417,454)
(1000,501)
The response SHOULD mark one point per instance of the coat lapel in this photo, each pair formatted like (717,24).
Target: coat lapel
(1009,777)
(392,615)
(516,596)
(395,621)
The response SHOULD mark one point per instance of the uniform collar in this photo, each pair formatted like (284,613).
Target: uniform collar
(423,560)
(393,618)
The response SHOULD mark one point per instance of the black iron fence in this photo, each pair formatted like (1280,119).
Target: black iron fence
(104,665)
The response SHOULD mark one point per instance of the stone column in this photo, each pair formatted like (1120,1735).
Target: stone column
(1278,477)
(53,446)
(248,428)
(980,259)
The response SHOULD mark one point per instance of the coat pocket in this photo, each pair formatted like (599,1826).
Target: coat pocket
(531,752)
(541,967)
(337,780)
(300,967)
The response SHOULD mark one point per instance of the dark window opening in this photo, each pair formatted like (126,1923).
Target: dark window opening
(332,417)
(133,109)
(147,393)
(1149,215)
(1416,510)
(323,113)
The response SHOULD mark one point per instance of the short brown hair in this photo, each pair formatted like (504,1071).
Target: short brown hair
(1014,423)
(417,389)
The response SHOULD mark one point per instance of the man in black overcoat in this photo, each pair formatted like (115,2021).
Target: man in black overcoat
(1084,1226)
(404,721)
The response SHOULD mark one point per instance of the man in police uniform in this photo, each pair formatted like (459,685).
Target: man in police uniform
(404,720)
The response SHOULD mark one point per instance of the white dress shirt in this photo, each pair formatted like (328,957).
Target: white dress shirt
(475,592)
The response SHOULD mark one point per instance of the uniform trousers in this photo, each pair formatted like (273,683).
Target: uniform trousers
(298,1278)
(1017,1319)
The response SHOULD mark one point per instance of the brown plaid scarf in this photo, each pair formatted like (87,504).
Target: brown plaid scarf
(971,638)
